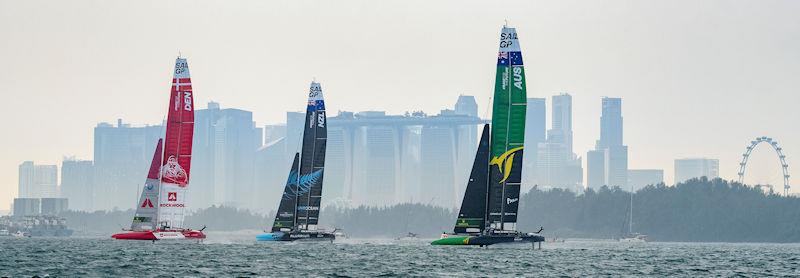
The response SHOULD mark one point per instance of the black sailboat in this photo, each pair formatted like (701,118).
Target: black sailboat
(297,217)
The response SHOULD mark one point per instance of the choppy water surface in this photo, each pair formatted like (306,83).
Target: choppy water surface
(226,255)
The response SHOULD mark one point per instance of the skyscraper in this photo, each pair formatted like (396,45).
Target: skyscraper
(688,168)
(77,183)
(122,156)
(535,133)
(38,181)
(612,170)
(638,178)
(225,145)
(556,164)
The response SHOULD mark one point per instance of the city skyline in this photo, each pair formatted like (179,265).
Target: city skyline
(698,79)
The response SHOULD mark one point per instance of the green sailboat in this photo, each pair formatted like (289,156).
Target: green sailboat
(488,212)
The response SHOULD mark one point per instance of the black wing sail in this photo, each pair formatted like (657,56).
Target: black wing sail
(472,216)
(312,162)
(285,217)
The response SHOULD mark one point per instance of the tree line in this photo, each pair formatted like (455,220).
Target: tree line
(699,210)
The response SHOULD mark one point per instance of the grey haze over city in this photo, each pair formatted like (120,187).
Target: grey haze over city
(695,79)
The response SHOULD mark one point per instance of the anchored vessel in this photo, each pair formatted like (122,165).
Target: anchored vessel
(161,206)
(298,213)
(488,212)
(631,236)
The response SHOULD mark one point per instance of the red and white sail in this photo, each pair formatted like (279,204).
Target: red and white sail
(176,163)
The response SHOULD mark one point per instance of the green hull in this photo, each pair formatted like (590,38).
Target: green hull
(452,240)
(485,240)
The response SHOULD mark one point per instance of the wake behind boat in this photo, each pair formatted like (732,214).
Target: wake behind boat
(157,217)
(488,212)
(298,212)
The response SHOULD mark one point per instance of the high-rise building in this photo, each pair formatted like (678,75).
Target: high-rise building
(535,133)
(613,170)
(610,123)
(77,183)
(556,164)
(595,169)
(616,165)
(26,206)
(54,206)
(122,157)
(377,159)
(38,181)
(224,153)
(688,168)
(639,178)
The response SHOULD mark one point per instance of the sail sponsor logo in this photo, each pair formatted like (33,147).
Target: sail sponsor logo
(505,162)
(299,236)
(321,119)
(308,208)
(511,200)
(286,214)
(171,205)
(518,77)
(147,203)
(187,101)
(172,196)
(149,187)
(172,172)
(504,82)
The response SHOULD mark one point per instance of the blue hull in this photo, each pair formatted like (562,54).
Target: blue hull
(294,236)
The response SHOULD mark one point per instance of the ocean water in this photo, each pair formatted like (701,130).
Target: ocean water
(230,255)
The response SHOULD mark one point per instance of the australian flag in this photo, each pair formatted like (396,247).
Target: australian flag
(502,58)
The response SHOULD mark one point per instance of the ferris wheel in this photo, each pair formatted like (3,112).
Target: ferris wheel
(778,151)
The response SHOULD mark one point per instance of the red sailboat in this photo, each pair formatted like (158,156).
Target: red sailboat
(158,217)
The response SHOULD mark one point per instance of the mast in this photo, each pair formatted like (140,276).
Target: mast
(630,220)
(507,133)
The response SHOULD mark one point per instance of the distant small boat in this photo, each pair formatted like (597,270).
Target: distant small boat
(297,217)
(21,234)
(632,237)
(408,236)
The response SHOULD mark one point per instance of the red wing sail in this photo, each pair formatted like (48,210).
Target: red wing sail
(180,126)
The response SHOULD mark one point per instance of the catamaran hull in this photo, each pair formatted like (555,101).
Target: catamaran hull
(159,235)
(485,240)
(281,236)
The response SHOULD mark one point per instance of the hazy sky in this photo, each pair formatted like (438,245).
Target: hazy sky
(697,78)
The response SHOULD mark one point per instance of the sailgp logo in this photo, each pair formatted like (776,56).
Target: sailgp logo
(505,162)
(511,200)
